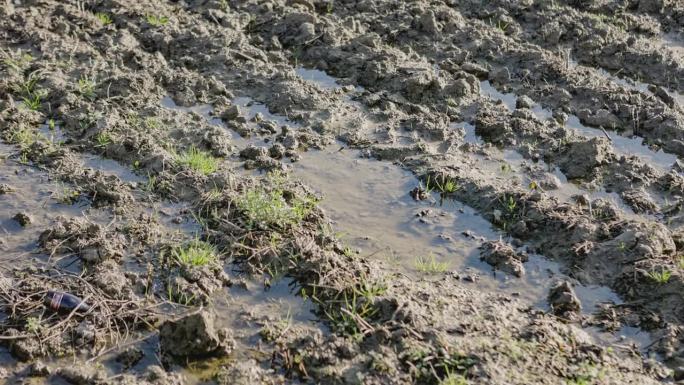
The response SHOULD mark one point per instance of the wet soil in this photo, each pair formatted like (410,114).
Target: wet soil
(442,192)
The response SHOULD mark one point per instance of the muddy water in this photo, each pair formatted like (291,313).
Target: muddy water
(622,145)
(511,166)
(318,77)
(374,215)
(369,202)
(33,193)
(674,42)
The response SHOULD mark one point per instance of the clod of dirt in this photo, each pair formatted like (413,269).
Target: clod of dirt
(23,219)
(419,194)
(195,335)
(563,301)
(5,188)
(582,158)
(92,242)
(39,369)
(277,151)
(640,201)
(82,375)
(24,349)
(253,152)
(246,372)
(129,357)
(524,102)
(503,257)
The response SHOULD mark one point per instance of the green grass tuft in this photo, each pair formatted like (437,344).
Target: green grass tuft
(86,87)
(195,253)
(197,160)
(104,18)
(661,277)
(156,20)
(270,208)
(430,265)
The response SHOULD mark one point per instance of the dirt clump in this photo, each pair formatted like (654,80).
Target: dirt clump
(502,256)
(194,336)
(563,300)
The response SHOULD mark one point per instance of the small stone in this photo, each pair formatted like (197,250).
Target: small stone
(419,194)
(5,188)
(502,256)
(231,113)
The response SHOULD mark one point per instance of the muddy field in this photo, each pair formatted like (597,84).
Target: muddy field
(342,192)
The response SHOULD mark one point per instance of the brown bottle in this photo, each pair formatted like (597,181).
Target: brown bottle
(64,302)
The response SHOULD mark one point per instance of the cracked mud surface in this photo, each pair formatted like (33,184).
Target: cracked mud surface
(312,191)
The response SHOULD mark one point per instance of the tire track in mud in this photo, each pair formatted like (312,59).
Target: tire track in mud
(596,40)
(667,249)
(419,316)
(535,72)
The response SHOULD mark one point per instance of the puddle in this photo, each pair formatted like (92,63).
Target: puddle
(369,202)
(510,99)
(35,194)
(674,42)
(622,145)
(373,214)
(626,338)
(252,108)
(322,79)
(626,146)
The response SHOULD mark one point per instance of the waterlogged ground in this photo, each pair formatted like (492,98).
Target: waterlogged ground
(342,192)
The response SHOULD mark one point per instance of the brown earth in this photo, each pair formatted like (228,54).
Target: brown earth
(137,140)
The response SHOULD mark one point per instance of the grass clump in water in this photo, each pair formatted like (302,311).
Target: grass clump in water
(430,265)
(197,160)
(270,208)
(195,253)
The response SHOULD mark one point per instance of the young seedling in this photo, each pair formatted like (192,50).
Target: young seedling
(104,18)
(178,296)
(86,87)
(103,140)
(199,161)
(32,102)
(19,64)
(430,265)
(23,137)
(445,186)
(660,277)
(157,20)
